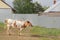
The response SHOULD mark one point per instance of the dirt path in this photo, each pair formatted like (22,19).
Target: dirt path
(4,36)
(26,36)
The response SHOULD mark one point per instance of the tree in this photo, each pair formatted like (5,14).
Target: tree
(38,7)
(46,7)
(27,6)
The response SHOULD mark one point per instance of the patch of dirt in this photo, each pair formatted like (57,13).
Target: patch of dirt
(25,36)
(4,36)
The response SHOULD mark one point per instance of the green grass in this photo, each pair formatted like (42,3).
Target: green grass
(2,26)
(45,31)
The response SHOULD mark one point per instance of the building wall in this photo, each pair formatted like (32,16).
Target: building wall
(56,8)
(5,13)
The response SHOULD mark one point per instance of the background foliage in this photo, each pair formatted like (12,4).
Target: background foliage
(27,6)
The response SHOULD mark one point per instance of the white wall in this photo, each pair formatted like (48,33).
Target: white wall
(5,13)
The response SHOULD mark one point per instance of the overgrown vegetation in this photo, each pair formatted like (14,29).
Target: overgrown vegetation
(27,6)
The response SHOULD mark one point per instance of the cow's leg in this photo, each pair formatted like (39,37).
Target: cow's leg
(8,28)
(20,31)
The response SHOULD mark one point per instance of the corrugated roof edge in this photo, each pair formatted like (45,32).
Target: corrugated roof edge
(53,6)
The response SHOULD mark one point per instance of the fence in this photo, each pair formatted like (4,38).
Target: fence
(42,20)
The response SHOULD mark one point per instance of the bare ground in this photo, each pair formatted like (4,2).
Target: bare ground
(26,36)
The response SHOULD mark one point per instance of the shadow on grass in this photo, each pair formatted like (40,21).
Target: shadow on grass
(46,36)
(36,36)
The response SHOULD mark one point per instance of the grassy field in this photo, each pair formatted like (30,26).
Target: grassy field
(38,33)
(45,31)
(2,26)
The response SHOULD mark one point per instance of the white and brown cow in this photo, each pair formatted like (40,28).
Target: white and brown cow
(17,23)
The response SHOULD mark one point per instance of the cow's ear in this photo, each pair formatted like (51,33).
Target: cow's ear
(28,22)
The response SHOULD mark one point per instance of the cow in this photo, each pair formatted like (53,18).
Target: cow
(18,24)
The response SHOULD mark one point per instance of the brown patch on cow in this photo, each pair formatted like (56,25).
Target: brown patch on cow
(23,26)
(15,24)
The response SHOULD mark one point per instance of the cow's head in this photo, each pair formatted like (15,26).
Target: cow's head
(28,24)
